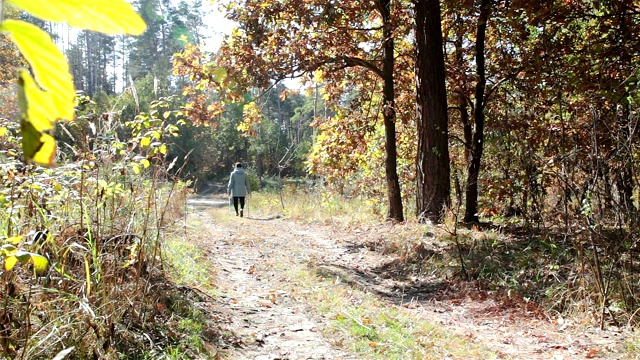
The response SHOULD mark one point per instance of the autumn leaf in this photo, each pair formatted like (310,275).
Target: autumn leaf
(51,98)
(37,146)
(593,352)
(10,262)
(107,16)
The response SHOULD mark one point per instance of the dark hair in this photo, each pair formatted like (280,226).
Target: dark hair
(238,164)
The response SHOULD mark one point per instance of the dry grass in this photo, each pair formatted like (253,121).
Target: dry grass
(374,329)
(532,266)
(319,206)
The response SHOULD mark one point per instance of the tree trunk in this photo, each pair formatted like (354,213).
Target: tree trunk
(90,83)
(389,115)
(433,168)
(463,103)
(259,167)
(477,145)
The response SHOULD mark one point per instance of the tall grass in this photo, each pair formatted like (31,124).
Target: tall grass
(99,220)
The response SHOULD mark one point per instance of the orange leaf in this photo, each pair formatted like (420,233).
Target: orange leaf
(592,353)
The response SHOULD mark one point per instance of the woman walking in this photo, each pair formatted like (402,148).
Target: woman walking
(238,188)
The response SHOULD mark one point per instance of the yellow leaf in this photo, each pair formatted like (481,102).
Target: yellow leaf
(47,154)
(318,76)
(87,273)
(3,131)
(163,149)
(50,69)
(40,263)
(36,146)
(146,141)
(15,239)
(107,16)
(145,163)
(34,103)
(10,262)
(243,127)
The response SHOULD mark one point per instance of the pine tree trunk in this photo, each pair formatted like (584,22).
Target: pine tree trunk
(433,168)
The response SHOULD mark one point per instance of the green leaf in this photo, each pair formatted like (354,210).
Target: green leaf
(23,256)
(50,69)
(219,75)
(107,16)
(8,249)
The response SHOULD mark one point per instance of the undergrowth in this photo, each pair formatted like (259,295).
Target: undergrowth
(589,276)
(83,274)
(187,264)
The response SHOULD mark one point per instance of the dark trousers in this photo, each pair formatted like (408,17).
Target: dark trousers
(237,199)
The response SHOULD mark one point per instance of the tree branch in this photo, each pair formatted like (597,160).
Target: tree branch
(353,61)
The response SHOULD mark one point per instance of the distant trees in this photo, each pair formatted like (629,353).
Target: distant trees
(105,63)
(270,131)
(91,59)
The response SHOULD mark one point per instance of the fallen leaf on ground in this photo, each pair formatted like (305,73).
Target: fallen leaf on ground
(592,353)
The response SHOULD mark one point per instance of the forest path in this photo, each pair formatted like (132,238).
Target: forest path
(270,319)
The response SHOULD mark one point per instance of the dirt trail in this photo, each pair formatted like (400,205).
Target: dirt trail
(269,320)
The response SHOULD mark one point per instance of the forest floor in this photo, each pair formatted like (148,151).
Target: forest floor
(264,310)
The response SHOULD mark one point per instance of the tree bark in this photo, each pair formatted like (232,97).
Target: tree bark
(477,144)
(389,115)
(463,100)
(463,103)
(433,167)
